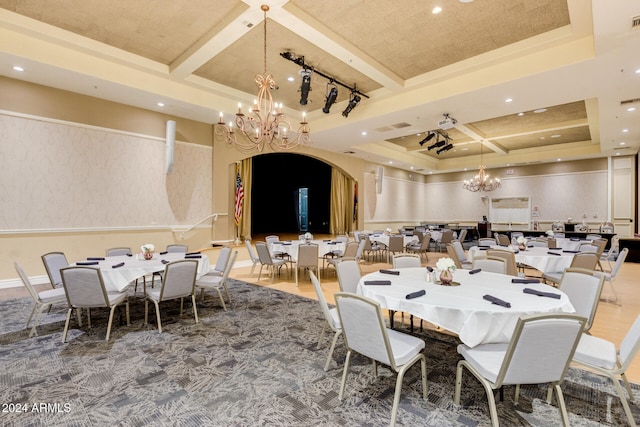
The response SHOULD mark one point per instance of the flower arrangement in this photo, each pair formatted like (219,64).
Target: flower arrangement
(308,236)
(445,263)
(388,230)
(521,240)
(550,233)
(148,247)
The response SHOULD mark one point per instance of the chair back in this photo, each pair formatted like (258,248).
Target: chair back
(364,328)
(426,241)
(457,245)
(307,255)
(342,239)
(84,287)
(179,279)
(630,344)
(619,261)
(252,254)
(509,260)
(349,275)
(223,259)
(406,261)
(503,239)
(263,253)
(586,260)
(178,249)
(588,247)
(491,264)
(368,246)
(419,235)
(26,281)
(323,302)
(360,249)
(351,249)
(53,262)
(229,266)
(583,287)
(552,243)
(447,236)
(118,251)
(600,244)
(462,235)
(396,243)
(593,236)
(541,349)
(451,251)
(271,239)
(486,241)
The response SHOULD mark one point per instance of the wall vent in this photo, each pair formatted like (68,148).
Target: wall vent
(383,129)
(635,22)
(401,125)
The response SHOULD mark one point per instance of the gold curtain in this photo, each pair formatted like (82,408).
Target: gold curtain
(243,230)
(341,215)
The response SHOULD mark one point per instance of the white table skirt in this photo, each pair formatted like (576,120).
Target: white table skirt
(291,247)
(570,244)
(384,239)
(117,279)
(461,309)
(536,257)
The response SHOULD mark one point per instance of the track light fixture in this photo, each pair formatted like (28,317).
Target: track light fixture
(354,99)
(436,145)
(429,137)
(445,148)
(305,87)
(332,95)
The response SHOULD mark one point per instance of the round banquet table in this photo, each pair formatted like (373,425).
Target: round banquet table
(540,258)
(290,247)
(462,309)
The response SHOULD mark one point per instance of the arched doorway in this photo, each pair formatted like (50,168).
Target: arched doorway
(290,193)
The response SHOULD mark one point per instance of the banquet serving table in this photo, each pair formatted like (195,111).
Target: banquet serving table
(542,259)
(291,247)
(117,279)
(462,309)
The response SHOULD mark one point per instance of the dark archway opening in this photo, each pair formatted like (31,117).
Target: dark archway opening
(277,179)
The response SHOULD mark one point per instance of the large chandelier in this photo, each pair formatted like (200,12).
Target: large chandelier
(482,181)
(265,123)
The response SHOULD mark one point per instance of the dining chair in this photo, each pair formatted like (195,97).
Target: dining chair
(584,260)
(601,244)
(421,247)
(613,251)
(453,255)
(509,259)
(611,276)
(461,236)
(119,251)
(396,245)
(274,239)
(350,252)
(178,281)
(486,241)
(217,283)
(502,239)
(462,257)
(221,262)
(365,332)
(330,315)
(540,351)
(41,300)
(307,258)
(406,260)
(583,287)
(349,274)
(371,248)
(492,264)
(84,288)
(53,262)
(252,256)
(445,237)
(267,260)
(601,356)
(178,249)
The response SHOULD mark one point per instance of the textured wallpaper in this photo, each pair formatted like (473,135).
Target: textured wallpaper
(60,175)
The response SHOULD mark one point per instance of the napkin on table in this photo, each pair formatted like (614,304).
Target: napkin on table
(525,281)
(87,263)
(95,258)
(117,265)
(477,270)
(416,294)
(541,293)
(377,282)
(164,253)
(193,253)
(164,261)
(193,256)
(497,301)
(553,253)
(570,252)
(396,273)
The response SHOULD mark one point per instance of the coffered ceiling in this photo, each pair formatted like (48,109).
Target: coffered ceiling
(567,66)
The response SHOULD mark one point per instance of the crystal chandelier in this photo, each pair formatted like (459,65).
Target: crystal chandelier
(265,123)
(482,181)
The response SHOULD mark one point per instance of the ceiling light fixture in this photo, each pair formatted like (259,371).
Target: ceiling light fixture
(332,95)
(445,148)
(305,87)
(265,123)
(482,181)
(18,68)
(427,138)
(354,99)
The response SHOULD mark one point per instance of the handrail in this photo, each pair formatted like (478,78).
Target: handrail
(191,227)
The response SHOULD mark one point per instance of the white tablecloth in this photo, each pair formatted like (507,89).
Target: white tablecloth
(537,257)
(117,279)
(461,309)
(570,244)
(291,247)
(384,239)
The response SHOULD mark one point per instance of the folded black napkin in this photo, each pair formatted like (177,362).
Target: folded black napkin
(193,256)
(164,261)
(477,270)
(284,243)
(484,248)
(87,263)
(95,258)
(397,273)
(575,239)
(164,253)
(129,254)
(326,240)
(117,265)
(570,252)
(541,293)
(497,301)
(430,269)
(553,253)
(530,246)
(516,250)
(333,243)
(554,249)
(193,253)
(377,282)
(525,281)
(416,294)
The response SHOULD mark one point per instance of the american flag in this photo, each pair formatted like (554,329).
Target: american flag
(239,199)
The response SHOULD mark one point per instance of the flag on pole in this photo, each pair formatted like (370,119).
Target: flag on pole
(239,199)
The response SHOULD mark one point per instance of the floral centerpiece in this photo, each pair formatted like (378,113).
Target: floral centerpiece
(387,230)
(147,250)
(446,266)
(308,237)
(522,243)
(549,233)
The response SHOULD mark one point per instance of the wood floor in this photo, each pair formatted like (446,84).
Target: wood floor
(612,320)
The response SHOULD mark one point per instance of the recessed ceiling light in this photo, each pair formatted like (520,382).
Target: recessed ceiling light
(559,160)
(364,133)
(542,137)
(631,109)
(18,68)
(508,100)
(411,167)
(556,136)
(465,1)
(622,143)
(625,130)
(638,71)
(418,134)
(436,10)
(160,104)
(540,110)
(465,169)
(617,154)
(521,114)
(290,78)
(390,162)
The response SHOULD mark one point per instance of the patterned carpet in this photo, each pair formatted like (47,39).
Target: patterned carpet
(256,364)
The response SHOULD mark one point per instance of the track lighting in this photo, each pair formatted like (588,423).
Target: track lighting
(427,138)
(436,145)
(354,99)
(332,95)
(445,148)
(305,87)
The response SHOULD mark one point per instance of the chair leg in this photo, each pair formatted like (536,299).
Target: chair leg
(33,309)
(66,325)
(113,309)
(344,374)
(333,346)
(158,316)
(195,309)
(224,306)
(37,320)
(321,335)
(396,394)
(561,406)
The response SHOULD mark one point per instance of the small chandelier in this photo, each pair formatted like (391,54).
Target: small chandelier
(265,123)
(482,181)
